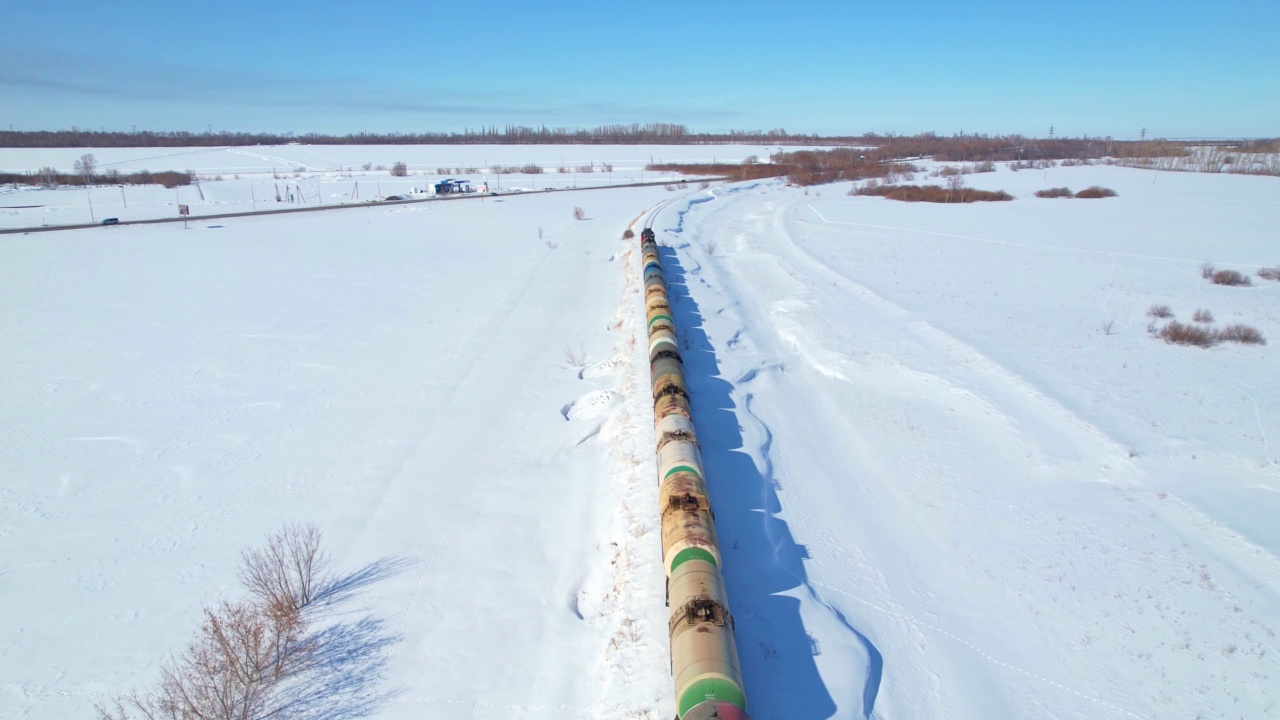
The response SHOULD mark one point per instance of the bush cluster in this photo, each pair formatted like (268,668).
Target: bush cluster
(1096,192)
(1059,192)
(1184,334)
(526,169)
(50,178)
(933,193)
(1230,277)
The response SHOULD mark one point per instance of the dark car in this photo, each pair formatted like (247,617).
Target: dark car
(111,221)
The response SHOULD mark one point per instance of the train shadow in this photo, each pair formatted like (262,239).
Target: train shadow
(763,565)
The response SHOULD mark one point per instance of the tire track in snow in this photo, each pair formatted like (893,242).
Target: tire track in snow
(1063,248)
(773,602)
(1009,392)
(808,348)
(506,308)
(987,656)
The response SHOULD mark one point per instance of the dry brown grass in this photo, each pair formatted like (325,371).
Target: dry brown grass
(1059,192)
(1182,334)
(1271,273)
(1160,311)
(1202,315)
(1096,192)
(933,193)
(1243,334)
(1230,278)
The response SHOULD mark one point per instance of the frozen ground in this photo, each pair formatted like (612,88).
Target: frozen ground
(946,491)
(942,489)
(243,179)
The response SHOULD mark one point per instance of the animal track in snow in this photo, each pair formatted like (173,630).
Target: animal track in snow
(602,368)
(591,405)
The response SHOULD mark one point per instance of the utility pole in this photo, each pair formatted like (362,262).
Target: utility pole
(89,195)
(1143,135)
(122,197)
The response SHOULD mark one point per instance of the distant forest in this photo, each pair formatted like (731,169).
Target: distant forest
(649,134)
(635,134)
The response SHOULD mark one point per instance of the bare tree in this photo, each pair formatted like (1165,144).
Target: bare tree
(86,166)
(231,670)
(49,178)
(955,184)
(579,213)
(399,170)
(289,570)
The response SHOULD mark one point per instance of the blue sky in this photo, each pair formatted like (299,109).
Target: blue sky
(1180,69)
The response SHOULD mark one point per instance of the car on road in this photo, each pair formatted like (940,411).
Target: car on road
(111,221)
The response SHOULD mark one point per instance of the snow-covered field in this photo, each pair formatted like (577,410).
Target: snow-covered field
(942,488)
(245,179)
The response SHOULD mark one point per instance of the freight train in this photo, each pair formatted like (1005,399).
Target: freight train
(704,656)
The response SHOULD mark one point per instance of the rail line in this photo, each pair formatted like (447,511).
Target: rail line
(704,655)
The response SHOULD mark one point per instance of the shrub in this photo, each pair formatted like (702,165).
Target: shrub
(288,571)
(1054,193)
(1096,192)
(1180,334)
(1207,269)
(1241,334)
(1272,273)
(244,652)
(527,169)
(1202,316)
(628,234)
(1160,311)
(1230,277)
(932,193)
(399,170)
(367,166)
(579,213)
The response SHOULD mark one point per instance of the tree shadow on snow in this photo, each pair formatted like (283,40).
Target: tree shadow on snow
(343,680)
(761,559)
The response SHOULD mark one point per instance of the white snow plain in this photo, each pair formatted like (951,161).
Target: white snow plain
(942,488)
(255,178)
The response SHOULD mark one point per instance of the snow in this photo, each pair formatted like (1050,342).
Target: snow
(244,179)
(942,489)
(948,491)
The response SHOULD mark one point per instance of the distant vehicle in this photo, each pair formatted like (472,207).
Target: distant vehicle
(111,221)
(397,197)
